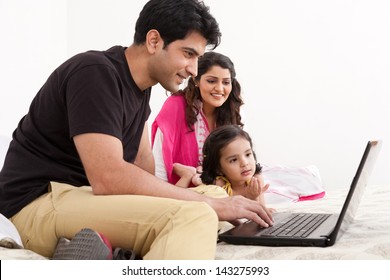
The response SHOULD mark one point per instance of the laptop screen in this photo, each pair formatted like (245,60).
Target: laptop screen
(358,186)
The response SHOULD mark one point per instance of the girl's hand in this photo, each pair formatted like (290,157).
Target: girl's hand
(264,187)
(254,188)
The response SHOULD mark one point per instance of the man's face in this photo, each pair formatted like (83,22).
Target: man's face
(179,60)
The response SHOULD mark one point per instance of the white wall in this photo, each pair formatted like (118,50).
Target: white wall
(33,38)
(315,74)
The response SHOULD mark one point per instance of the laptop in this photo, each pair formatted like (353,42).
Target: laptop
(309,229)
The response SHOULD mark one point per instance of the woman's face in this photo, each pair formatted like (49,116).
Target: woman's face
(215,86)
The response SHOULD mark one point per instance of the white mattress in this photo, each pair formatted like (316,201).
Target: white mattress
(368,237)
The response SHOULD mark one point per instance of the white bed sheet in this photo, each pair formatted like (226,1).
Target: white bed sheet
(368,237)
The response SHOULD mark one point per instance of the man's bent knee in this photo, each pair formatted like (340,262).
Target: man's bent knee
(190,234)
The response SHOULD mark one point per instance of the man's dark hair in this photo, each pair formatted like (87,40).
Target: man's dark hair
(175,19)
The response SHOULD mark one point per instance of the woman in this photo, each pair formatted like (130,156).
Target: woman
(211,99)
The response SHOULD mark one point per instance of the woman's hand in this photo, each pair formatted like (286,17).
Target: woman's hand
(185,173)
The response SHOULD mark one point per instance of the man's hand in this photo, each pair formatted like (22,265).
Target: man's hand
(236,207)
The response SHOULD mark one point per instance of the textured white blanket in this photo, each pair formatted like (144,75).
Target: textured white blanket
(368,237)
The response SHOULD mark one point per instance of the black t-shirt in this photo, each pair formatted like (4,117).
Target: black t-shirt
(92,92)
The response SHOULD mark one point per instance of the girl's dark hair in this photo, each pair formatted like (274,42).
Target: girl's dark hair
(175,19)
(229,112)
(215,142)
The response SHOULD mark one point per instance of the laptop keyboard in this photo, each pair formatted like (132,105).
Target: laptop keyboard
(300,225)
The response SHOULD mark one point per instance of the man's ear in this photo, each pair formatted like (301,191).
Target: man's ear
(153,40)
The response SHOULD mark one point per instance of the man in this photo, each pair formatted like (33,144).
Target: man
(81,157)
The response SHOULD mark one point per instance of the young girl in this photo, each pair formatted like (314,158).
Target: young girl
(230,162)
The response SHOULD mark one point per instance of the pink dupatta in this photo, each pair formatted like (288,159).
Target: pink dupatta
(179,143)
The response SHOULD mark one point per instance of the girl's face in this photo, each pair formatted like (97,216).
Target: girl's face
(237,161)
(215,86)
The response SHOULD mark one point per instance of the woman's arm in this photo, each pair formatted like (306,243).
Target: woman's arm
(160,170)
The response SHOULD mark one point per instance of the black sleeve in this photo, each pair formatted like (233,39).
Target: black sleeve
(94,101)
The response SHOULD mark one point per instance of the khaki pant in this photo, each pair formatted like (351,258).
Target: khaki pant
(155,228)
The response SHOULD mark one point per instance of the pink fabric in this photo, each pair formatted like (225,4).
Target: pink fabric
(312,197)
(179,144)
(293,183)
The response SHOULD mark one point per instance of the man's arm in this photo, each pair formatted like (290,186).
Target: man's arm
(145,158)
(108,174)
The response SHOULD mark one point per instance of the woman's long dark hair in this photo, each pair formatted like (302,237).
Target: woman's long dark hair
(229,112)
(218,139)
